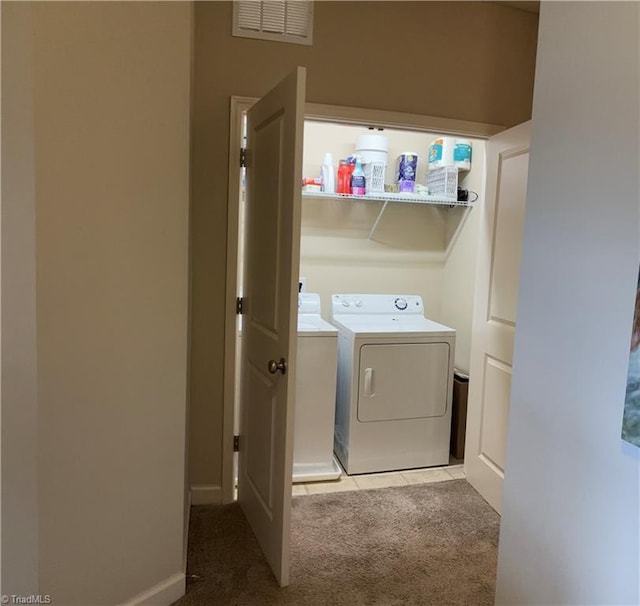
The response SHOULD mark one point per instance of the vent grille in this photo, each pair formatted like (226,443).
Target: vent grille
(276,20)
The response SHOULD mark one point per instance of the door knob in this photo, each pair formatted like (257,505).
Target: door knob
(274,366)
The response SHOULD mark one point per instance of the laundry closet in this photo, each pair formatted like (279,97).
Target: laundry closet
(385,242)
(412,241)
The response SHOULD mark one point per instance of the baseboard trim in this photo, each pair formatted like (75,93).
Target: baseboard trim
(185,535)
(162,594)
(206,494)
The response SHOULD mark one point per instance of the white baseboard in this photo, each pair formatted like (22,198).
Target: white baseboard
(206,494)
(162,594)
(185,535)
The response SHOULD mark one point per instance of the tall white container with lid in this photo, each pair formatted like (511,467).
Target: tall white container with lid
(373,150)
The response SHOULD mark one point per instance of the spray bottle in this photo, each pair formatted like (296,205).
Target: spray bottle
(358,181)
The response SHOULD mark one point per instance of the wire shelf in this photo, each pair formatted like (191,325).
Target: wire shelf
(391,197)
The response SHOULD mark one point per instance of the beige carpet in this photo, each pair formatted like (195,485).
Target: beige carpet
(430,544)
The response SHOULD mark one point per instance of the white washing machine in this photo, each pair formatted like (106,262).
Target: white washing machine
(317,358)
(395,383)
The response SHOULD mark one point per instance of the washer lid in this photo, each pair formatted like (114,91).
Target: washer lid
(310,321)
(314,325)
(387,324)
(309,303)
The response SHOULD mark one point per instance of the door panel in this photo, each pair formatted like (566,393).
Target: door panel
(495,412)
(266,221)
(407,381)
(270,286)
(507,238)
(262,403)
(494,322)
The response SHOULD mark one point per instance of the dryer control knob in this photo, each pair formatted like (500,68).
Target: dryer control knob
(400,303)
(358,303)
(345,303)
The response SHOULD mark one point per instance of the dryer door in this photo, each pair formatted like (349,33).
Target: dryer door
(403,381)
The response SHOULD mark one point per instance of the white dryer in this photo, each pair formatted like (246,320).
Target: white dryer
(315,398)
(395,381)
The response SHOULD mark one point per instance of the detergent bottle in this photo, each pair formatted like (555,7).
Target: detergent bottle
(358,181)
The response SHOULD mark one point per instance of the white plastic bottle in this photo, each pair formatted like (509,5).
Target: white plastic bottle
(328,174)
(441,153)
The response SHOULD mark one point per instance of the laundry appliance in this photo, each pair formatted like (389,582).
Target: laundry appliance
(315,394)
(394,384)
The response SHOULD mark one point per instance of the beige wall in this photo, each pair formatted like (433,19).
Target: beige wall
(406,251)
(471,60)
(111,122)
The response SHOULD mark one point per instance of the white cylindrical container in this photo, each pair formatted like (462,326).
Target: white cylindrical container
(462,154)
(373,151)
(372,148)
(441,152)
(328,174)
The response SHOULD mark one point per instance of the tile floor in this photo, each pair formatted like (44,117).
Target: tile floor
(382,480)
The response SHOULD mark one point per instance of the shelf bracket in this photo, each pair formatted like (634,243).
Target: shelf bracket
(375,225)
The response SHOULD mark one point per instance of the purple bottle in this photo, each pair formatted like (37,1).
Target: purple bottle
(358,181)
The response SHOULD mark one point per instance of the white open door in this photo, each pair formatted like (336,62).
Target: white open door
(494,321)
(269,334)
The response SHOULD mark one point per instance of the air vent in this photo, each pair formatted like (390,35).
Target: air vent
(276,20)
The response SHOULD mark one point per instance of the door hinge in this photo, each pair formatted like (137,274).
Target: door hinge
(243,157)
(236,443)
(239,306)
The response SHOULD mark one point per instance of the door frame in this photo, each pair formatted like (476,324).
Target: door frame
(313,111)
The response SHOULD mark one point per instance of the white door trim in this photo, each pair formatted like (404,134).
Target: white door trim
(239,105)
(329,113)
